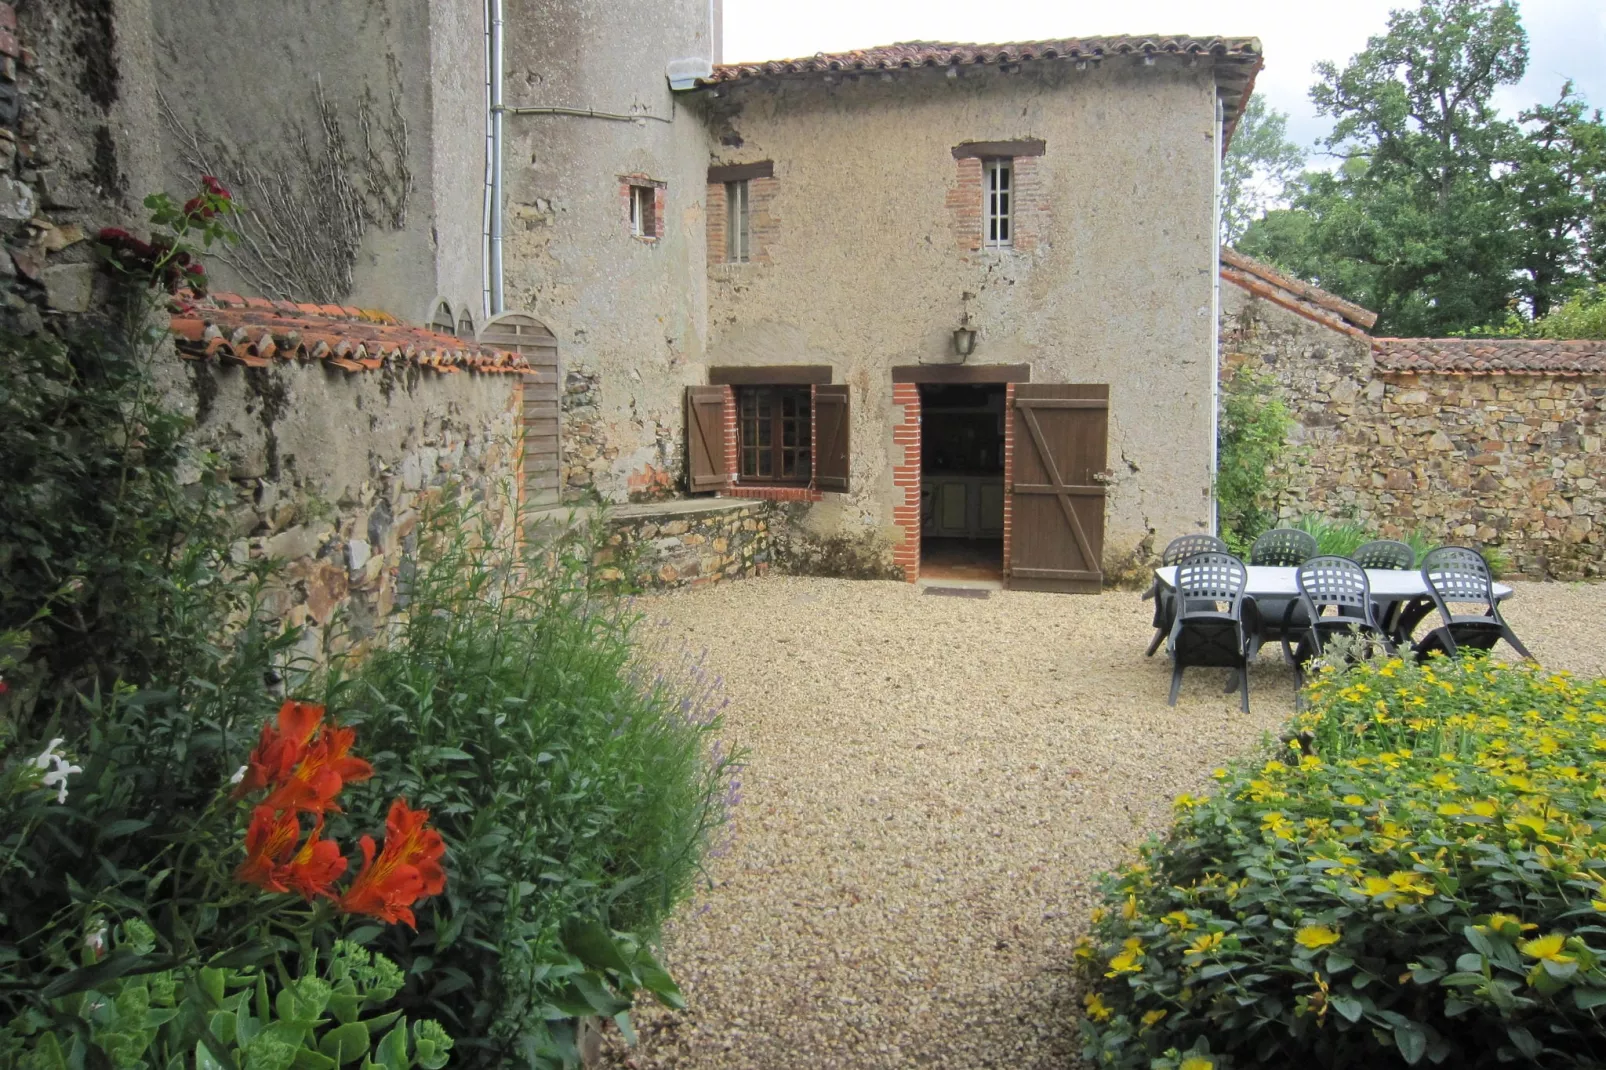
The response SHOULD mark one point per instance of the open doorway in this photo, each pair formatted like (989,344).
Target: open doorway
(962,481)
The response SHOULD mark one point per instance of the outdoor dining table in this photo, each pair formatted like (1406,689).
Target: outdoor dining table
(1273,587)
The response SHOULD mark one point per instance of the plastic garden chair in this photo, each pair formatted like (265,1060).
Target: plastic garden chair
(1456,574)
(1283,546)
(1329,583)
(1165,605)
(1214,625)
(1384,553)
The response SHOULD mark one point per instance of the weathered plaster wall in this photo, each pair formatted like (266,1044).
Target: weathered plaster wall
(866,269)
(629,314)
(1507,461)
(330,471)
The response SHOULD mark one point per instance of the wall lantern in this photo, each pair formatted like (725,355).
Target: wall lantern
(964,341)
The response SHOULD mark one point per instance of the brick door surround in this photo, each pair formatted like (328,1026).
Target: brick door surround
(906,477)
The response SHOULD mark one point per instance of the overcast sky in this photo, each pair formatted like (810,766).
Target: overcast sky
(1566,38)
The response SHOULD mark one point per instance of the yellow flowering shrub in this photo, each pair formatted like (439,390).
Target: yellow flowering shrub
(1418,877)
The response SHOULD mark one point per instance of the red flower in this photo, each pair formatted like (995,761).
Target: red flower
(315,866)
(270,841)
(408,868)
(282,747)
(214,187)
(112,235)
(324,768)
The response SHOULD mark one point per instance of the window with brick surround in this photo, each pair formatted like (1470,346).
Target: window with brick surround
(738,223)
(643,214)
(773,440)
(997,175)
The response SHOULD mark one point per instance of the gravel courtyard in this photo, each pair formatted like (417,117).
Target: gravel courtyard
(933,785)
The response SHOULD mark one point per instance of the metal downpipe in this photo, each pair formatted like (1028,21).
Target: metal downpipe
(498,54)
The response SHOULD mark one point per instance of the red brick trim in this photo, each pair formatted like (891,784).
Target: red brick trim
(906,478)
(775,494)
(1009,470)
(728,419)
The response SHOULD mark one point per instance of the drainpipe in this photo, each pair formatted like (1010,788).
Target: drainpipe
(1215,317)
(490,184)
(493,281)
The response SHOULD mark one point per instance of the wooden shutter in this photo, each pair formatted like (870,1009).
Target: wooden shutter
(705,438)
(832,417)
(1059,433)
(521,333)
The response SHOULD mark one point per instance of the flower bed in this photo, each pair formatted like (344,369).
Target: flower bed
(1419,876)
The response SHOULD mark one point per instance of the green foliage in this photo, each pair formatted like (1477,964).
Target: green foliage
(229,1019)
(1444,217)
(1582,316)
(1344,537)
(1420,874)
(578,785)
(1259,165)
(1251,446)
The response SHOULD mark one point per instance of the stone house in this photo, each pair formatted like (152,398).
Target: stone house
(1494,443)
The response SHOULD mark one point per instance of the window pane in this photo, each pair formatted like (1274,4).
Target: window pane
(736,222)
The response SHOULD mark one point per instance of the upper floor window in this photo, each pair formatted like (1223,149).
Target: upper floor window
(997,177)
(643,211)
(738,225)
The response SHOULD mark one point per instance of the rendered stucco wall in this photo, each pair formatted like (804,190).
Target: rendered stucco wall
(629,314)
(867,268)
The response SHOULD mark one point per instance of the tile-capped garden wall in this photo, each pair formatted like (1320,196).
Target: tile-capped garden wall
(687,543)
(1453,444)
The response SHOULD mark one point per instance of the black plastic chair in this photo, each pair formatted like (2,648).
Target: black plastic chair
(1384,553)
(1456,574)
(1165,604)
(1329,583)
(1211,629)
(1283,546)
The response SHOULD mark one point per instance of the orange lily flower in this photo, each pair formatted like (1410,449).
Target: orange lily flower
(270,841)
(281,747)
(316,866)
(325,768)
(408,868)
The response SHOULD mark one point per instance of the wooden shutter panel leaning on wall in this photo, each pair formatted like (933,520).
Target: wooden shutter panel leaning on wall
(705,439)
(833,417)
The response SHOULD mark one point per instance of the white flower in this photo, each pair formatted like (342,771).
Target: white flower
(95,940)
(44,760)
(239,775)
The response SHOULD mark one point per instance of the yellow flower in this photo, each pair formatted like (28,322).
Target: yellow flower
(1206,943)
(1153,1017)
(1129,960)
(1376,886)
(1194,1062)
(1315,936)
(1186,802)
(1129,909)
(1097,1009)
(1179,921)
(1098,915)
(1546,948)
(1354,800)
(1500,923)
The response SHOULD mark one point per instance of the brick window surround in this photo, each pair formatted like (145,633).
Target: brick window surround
(906,478)
(732,464)
(763,225)
(967,202)
(627,184)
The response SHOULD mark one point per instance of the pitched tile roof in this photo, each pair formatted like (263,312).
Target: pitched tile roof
(1490,356)
(1309,301)
(1238,59)
(254,331)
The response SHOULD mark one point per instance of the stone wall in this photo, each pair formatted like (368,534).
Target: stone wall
(688,543)
(1509,461)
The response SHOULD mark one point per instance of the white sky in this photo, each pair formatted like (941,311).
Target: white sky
(1566,38)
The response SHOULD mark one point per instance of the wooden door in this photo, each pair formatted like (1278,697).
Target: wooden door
(1056,500)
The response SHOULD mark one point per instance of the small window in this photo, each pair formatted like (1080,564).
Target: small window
(643,214)
(737,227)
(999,206)
(773,436)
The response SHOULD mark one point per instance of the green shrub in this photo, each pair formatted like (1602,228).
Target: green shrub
(1251,444)
(1420,875)
(578,785)
(1341,537)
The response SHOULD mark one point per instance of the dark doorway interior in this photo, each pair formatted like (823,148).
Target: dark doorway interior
(962,481)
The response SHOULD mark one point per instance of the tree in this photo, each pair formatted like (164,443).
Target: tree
(1557,180)
(1258,167)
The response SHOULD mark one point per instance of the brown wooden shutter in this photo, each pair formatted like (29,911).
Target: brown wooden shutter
(521,333)
(1056,505)
(832,418)
(705,438)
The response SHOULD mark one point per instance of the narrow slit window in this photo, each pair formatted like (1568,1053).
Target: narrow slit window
(737,228)
(643,221)
(1000,202)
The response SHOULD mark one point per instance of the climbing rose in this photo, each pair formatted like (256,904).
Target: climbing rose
(408,868)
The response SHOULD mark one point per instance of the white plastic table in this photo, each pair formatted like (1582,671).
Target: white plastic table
(1276,582)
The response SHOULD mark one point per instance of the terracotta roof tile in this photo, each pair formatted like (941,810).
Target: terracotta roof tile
(254,332)
(1328,308)
(1490,356)
(1241,55)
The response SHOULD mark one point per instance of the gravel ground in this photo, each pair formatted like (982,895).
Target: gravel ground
(934,784)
